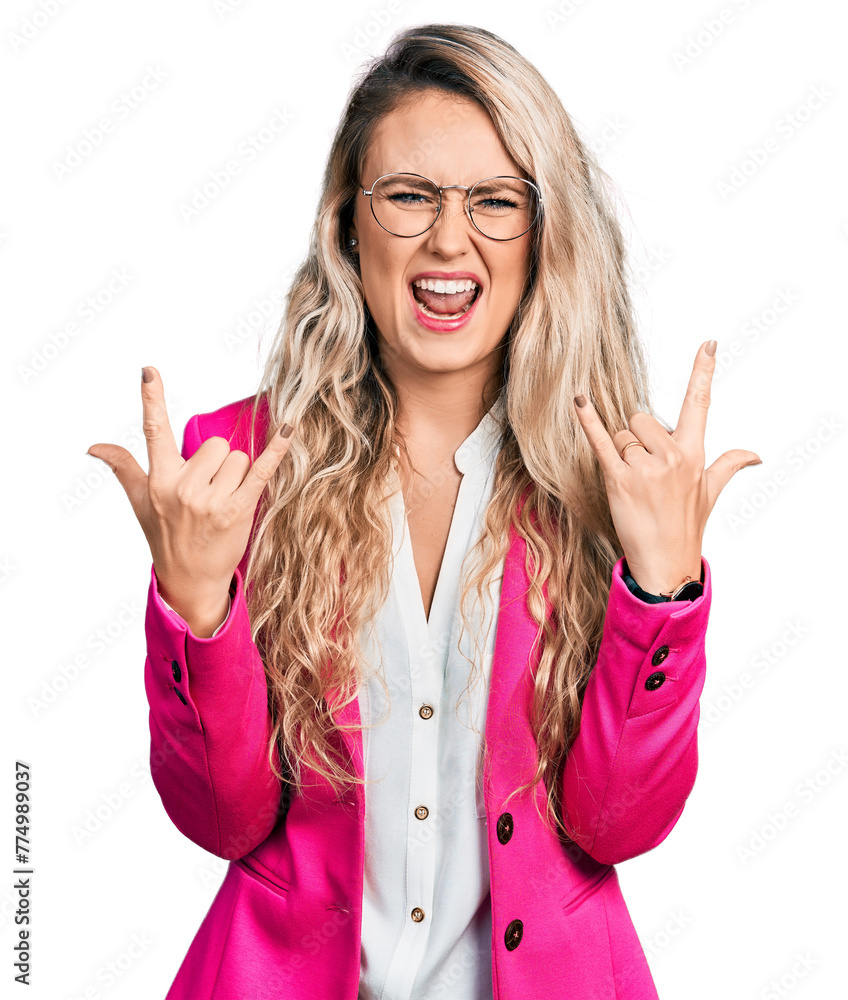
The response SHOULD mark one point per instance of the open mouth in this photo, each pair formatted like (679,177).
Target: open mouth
(444,304)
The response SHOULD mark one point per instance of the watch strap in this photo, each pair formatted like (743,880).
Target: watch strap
(689,591)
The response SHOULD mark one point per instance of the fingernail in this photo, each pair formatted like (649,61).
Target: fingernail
(758,462)
(580,400)
(146,376)
(286,431)
(710,349)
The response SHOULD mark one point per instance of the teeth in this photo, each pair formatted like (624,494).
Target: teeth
(446,287)
(434,315)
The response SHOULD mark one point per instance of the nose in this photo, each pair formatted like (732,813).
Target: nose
(453,223)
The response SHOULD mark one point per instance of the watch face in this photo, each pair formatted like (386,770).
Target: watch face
(692,591)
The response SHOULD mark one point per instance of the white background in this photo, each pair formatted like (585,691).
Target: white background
(680,105)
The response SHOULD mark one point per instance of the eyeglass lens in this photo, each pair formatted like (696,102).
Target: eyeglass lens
(501,207)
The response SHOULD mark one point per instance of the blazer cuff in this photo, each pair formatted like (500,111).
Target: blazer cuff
(179,618)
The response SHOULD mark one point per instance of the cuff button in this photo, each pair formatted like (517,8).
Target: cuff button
(513,935)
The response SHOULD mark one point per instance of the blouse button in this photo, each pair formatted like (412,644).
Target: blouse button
(422,812)
(425,711)
(417,914)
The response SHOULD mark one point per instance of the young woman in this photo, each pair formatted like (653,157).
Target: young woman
(418,802)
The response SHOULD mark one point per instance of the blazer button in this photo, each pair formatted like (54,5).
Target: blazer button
(175,670)
(514,932)
(422,812)
(417,914)
(659,656)
(180,696)
(655,680)
(505,827)
(425,711)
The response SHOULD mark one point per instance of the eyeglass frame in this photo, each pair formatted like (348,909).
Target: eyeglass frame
(445,187)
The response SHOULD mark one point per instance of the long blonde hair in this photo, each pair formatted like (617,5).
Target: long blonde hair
(318,567)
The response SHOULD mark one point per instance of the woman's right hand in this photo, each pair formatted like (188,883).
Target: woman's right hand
(197,514)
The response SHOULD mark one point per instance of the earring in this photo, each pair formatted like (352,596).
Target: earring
(352,242)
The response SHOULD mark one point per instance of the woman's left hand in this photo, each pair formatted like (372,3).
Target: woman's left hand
(660,494)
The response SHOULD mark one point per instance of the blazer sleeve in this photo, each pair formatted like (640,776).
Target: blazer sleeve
(210,725)
(633,764)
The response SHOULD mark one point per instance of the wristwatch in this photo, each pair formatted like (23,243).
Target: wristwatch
(690,590)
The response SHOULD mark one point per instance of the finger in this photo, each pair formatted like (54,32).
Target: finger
(646,429)
(639,451)
(231,472)
(692,423)
(162,451)
(719,474)
(127,471)
(602,444)
(264,467)
(206,462)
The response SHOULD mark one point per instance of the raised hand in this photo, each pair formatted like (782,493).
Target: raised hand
(659,492)
(196,514)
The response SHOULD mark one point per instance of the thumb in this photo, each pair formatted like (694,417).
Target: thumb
(719,474)
(128,472)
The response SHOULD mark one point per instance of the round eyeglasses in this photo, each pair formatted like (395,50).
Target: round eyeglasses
(502,208)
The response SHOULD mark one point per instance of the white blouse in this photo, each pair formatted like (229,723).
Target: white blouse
(426,909)
(426,920)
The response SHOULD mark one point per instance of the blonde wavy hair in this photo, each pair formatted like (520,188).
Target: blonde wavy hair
(320,553)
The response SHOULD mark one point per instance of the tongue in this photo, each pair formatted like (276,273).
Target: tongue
(441,302)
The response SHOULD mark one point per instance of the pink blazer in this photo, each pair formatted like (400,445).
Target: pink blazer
(285,922)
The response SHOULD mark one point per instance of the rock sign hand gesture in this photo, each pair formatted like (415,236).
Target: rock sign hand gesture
(196,514)
(660,494)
